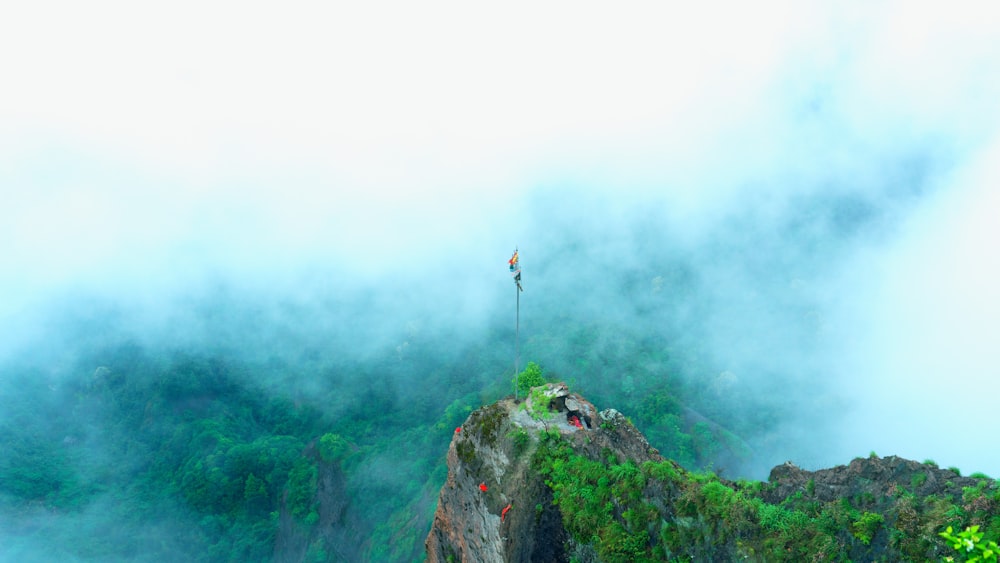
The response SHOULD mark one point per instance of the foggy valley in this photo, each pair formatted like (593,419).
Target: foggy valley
(249,247)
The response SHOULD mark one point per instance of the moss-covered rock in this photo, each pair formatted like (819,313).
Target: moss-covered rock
(557,489)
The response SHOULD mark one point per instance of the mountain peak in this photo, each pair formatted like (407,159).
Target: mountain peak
(495,448)
(551,478)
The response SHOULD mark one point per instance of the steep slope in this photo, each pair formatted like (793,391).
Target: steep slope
(333,526)
(491,467)
(552,479)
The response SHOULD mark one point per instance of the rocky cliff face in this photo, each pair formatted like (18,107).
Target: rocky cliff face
(495,506)
(333,537)
(553,479)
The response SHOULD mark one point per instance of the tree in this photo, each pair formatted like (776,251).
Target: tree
(332,447)
(530,377)
(255,494)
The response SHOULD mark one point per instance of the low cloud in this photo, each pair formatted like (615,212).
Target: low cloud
(808,183)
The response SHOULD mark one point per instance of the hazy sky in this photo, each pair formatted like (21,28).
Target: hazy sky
(144,150)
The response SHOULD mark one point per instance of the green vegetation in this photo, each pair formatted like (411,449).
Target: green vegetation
(487,422)
(864,528)
(540,404)
(658,511)
(208,455)
(180,457)
(530,377)
(521,440)
(588,494)
(971,544)
(332,447)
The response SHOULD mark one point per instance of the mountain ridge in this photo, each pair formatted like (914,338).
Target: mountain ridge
(552,478)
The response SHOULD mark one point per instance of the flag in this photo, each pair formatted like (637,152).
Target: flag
(515,269)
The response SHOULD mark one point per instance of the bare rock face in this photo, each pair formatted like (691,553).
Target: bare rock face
(335,525)
(877,477)
(493,506)
(497,507)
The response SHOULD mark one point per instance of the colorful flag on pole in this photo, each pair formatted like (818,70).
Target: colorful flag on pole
(515,269)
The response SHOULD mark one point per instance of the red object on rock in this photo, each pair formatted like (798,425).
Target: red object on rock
(483,487)
(575,422)
(458,429)
(503,513)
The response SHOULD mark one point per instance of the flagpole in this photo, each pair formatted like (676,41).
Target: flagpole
(515,271)
(517,340)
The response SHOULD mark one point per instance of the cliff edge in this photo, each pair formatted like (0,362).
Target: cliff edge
(552,479)
(496,505)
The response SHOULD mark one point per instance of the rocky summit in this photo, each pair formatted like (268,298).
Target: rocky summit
(551,478)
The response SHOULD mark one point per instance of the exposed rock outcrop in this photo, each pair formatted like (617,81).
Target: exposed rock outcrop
(523,477)
(492,450)
(874,477)
(334,526)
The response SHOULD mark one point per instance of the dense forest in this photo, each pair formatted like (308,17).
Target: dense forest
(255,261)
(225,424)
(136,452)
